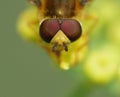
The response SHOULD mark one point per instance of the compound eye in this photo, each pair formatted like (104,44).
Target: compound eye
(71,28)
(48,29)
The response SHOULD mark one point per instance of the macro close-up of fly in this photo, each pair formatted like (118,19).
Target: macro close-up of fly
(60,48)
(61,27)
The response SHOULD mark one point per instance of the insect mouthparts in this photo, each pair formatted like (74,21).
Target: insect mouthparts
(57,47)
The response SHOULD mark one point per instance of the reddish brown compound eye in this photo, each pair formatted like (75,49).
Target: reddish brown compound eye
(71,28)
(48,29)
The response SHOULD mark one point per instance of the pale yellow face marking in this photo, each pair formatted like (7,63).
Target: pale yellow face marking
(61,40)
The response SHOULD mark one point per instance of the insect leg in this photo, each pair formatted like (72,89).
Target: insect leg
(35,2)
(84,2)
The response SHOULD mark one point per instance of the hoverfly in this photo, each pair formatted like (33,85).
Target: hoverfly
(56,25)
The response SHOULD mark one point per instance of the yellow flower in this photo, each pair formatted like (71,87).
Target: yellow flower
(114,32)
(25,27)
(119,73)
(101,65)
(106,13)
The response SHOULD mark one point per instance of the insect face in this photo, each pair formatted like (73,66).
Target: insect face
(60,32)
(60,28)
(55,25)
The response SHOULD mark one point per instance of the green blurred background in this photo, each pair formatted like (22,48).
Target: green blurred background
(27,71)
